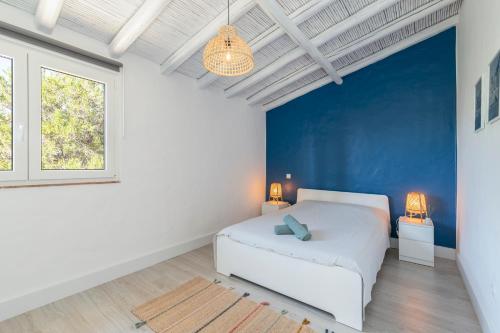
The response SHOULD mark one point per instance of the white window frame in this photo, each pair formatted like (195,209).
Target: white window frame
(18,55)
(37,60)
(28,61)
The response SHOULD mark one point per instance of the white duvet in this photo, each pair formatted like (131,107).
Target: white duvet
(350,236)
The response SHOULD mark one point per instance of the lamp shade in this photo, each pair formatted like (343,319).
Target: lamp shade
(416,204)
(227,54)
(275,192)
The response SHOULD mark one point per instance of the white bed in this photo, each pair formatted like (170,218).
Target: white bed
(334,271)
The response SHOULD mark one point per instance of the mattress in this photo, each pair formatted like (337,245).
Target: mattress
(350,236)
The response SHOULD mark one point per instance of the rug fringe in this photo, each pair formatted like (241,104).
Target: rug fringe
(305,322)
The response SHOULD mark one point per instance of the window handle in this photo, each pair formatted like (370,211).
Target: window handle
(20,133)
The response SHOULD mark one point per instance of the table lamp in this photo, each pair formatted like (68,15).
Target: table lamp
(416,205)
(275,192)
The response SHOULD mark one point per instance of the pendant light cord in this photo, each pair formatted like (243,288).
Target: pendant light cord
(227,12)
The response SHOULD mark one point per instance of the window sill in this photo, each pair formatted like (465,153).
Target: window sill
(47,183)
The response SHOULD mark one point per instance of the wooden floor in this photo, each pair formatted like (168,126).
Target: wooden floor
(406,298)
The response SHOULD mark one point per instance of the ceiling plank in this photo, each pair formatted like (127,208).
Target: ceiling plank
(297,93)
(328,34)
(275,11)
(237,10)
(388,29)
(277,86)
(147,13)
(415,39)
(265,72)
(352,47)
(300,15)
(47,13)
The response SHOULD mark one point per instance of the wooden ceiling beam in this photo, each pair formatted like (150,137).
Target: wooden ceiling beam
(147,13)
(276,11)
(47,13)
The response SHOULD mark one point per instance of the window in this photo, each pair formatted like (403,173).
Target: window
(71,118)
(13,112)
(73,110)
(6,149)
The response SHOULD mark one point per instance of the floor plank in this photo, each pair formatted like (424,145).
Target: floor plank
(406,298)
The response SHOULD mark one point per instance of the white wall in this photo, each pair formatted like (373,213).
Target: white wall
(478,219)
(191,163)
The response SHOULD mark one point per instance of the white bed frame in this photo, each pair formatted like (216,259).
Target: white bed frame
(333,289)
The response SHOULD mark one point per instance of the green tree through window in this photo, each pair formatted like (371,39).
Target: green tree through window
(73,115)
(5,114)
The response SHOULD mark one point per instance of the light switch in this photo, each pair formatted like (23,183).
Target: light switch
(288,176)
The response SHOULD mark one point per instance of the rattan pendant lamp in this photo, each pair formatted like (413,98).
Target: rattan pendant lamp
(227,54)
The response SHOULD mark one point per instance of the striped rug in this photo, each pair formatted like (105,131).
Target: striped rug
(203,306)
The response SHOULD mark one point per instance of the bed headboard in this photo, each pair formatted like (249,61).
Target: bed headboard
(362,199)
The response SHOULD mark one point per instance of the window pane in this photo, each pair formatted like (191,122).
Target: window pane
(73,113)
(5,114)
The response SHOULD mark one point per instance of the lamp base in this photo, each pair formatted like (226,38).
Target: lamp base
(415,220)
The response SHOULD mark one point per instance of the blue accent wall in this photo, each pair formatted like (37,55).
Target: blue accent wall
(390,128)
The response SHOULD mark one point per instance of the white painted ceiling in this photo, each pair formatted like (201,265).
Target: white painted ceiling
(350,34)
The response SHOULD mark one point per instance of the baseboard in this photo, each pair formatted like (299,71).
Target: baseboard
(483,321)
(439,251)
(15,306)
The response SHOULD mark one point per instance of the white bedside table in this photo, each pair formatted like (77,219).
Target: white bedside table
(416,241)
(273,206)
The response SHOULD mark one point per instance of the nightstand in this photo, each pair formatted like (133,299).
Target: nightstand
(416,241)
(273,206)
